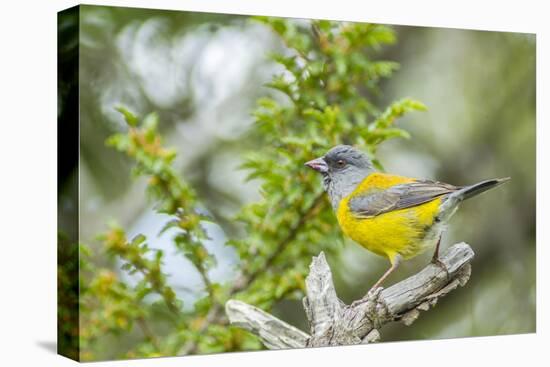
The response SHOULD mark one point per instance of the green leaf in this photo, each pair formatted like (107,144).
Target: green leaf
(130,118)
(151,121)
(138,240)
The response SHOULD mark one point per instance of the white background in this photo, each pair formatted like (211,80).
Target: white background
(28,181)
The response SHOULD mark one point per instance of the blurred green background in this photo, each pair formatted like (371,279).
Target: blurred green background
(202,74)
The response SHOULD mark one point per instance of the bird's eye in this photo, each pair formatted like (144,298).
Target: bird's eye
(340,163)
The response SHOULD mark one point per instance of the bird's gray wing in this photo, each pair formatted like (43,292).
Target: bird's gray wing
(398,197)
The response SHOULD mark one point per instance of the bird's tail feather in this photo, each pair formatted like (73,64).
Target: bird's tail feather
(476,189)
(450,204)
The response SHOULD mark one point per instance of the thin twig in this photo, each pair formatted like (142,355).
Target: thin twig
(206,280)
(149,335)
(214,314)
(158,287)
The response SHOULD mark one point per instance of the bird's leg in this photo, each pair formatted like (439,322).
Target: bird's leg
(394,264)
(435,257)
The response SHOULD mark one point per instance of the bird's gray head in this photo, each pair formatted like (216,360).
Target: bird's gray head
(343,168)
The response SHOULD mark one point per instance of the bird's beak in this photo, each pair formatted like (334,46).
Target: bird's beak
(318,165)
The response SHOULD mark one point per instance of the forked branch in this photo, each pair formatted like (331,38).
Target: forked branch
(334,323)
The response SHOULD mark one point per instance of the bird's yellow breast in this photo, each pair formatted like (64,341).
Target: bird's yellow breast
(404,231)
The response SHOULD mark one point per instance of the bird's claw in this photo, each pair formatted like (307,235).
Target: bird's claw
(439,263)
(374,292)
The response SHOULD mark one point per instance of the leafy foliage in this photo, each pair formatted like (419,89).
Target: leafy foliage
(323,95)
(68,296)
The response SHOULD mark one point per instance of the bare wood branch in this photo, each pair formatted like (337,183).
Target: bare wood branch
(334,323)
(275,333)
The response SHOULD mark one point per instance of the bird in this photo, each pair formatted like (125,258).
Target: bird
(390,215)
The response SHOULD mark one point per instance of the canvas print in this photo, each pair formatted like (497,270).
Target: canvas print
(240,183)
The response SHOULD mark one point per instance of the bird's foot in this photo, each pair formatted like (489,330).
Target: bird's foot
(371,296)
(374,292)
(440,263)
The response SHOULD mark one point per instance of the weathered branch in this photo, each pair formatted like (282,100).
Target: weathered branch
(334,323)
(275,333)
